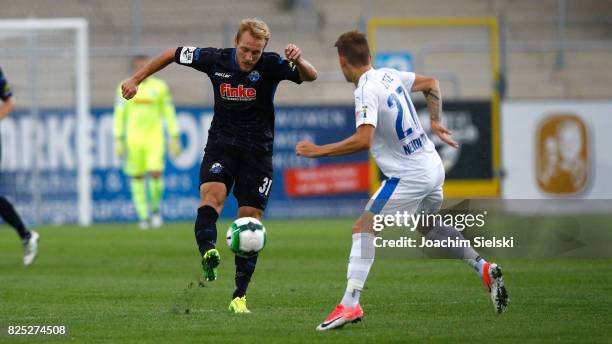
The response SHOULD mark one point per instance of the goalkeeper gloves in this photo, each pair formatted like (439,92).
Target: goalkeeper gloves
(119,147)
(175,146)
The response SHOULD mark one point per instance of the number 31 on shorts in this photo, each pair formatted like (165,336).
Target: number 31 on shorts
(264,189)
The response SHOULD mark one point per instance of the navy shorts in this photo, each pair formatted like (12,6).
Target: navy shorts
(248,172)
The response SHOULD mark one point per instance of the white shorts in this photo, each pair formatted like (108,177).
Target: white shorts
(409,195)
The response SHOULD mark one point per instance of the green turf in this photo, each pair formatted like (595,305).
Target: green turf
(113,283)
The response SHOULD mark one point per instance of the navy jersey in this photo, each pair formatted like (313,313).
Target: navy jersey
(5,89)
(244,101)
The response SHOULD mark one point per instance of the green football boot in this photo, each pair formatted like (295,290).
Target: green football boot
(210,262)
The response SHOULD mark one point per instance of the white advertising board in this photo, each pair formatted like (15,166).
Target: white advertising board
(557,149)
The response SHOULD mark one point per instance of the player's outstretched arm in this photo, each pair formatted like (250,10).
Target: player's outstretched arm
(294,54)
(431,90)
(7,106)
(129,87)
(361,140)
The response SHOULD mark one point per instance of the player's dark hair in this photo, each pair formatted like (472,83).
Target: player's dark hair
(353,45)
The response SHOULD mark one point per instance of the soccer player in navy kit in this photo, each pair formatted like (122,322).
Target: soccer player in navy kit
(7,211)
(240,141)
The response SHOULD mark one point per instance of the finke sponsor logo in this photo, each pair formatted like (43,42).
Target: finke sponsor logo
(239,92)
(562,155)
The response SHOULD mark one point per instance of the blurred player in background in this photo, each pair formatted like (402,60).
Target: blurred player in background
(387,124)
(239,149)
(7,211)
(139,137)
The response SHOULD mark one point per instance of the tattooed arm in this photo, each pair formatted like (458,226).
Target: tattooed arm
(431,90)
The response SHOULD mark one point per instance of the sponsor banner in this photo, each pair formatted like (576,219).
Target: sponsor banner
(320,124)
(327,179)
(557,149)
(111,188)
(470,123)
(400,60)
(39,166)
(292,194)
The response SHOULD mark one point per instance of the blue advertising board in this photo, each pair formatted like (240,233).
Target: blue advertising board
(399,60)
(301,187)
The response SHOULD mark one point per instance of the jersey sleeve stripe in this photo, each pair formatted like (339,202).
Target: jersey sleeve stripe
(362,87)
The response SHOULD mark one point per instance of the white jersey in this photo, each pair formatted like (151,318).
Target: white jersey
(401,147)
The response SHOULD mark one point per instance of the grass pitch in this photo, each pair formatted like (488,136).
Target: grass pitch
(113,283)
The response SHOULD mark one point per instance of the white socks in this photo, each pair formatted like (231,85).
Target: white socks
(362,257)
(360,262)
(468,254)
(477,263)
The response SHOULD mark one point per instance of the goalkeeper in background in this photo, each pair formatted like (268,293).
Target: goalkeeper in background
(139,139)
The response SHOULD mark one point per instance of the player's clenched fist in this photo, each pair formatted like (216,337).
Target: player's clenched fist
(307,149)
(293,52)
(129,88)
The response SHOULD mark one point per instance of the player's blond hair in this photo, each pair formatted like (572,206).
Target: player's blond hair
(257,27)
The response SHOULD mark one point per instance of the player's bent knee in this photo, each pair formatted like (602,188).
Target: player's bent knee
(215,202)
(356,228)
(364,224)
(360,227)
(213,194)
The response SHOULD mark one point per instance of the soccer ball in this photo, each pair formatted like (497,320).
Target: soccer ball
(246,236)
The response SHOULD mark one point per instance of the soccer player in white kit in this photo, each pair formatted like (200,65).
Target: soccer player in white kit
(388,125)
